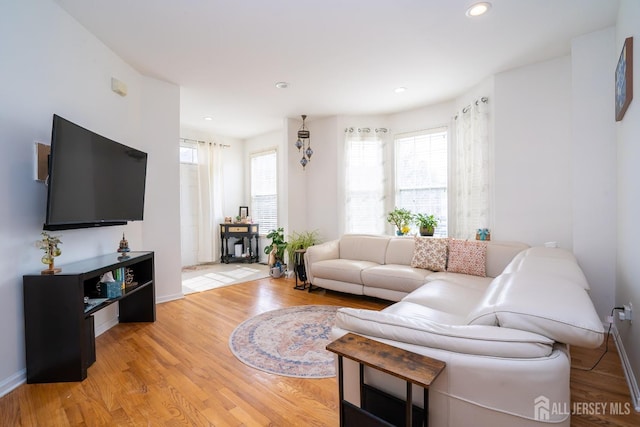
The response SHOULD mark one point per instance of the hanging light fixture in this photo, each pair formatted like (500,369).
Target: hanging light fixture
(304,143)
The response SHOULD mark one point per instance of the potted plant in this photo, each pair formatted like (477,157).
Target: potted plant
(278,245)
(298,241)
(427,223)
(400,218)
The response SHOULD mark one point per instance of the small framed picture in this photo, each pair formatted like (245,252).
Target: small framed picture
(243,212)
(624,79)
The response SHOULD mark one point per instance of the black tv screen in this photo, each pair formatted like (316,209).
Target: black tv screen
(93,181)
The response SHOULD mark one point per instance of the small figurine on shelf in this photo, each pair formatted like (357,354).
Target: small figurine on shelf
(123,249)
(49,244)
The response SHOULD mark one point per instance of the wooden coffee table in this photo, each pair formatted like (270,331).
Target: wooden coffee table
(411,367)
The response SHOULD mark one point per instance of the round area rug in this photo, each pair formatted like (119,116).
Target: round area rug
(289,341)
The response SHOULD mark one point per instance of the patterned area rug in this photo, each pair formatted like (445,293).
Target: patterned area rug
(289,341)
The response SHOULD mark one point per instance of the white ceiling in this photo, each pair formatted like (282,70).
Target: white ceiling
(339,56)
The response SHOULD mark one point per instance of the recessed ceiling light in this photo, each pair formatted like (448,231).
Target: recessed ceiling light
(400,89)
(208,118)
(282,85)
(478,9)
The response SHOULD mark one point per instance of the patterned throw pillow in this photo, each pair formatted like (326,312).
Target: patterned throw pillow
(430,253)
(467,257)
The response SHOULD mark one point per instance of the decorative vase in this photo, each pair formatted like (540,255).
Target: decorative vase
(399,233)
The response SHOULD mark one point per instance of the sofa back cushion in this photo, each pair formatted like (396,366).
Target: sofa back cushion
(400,250)
(542,303)
(500,254)
(408,326)
(360,247)
(559,262)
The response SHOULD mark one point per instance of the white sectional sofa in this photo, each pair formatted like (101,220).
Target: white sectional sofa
(505,337)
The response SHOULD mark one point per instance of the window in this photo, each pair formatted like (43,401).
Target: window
(364,184)
(188,152)
(421,174)
(264,190)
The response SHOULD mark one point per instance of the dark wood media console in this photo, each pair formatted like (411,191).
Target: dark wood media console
(59,326)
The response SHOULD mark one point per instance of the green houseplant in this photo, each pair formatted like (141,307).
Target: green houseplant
(300,241)
(427,223)
(400,218)
(277,242)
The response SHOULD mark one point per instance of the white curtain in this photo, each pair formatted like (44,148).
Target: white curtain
(364,181)
(471,165)
(210,197)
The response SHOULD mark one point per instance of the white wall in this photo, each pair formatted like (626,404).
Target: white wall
(160,123)
(594,163)
(532,126)
(628,212)
(51,64)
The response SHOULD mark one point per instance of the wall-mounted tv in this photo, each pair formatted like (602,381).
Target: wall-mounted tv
(93,181)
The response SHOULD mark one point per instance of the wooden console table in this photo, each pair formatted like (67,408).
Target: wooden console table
(239,232)
(412,367)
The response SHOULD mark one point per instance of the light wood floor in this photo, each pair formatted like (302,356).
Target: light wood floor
(179,371)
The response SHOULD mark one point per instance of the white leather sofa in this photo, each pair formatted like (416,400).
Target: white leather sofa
(505,338)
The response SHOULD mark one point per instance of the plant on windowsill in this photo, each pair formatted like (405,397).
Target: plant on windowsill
(400,218)
(277,247)
(427,223)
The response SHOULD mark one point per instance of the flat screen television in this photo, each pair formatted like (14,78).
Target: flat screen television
(93,181)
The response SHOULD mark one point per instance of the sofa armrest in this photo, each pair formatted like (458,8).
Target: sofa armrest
(321,252)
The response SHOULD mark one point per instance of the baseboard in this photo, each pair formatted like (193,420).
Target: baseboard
(167,298)
(105,326)
(626,367)
(13,382)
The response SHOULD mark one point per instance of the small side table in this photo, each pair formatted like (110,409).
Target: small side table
(300,271)
(412,367)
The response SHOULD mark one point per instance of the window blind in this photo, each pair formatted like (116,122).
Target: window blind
(264,190)
(421,175)
(364,186)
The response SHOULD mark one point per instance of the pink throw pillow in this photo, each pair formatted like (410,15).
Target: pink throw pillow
(467,257)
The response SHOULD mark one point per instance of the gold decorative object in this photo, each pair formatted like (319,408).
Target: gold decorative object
(123,248)
(49,244)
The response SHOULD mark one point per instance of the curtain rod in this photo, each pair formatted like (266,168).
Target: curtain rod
(367,130)
(204,142)
(466,109)
(484,100)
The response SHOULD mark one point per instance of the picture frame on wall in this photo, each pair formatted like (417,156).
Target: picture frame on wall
(624,79)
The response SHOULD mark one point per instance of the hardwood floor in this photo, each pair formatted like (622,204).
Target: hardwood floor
(179,371)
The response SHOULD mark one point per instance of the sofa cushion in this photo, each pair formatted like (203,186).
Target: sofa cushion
(446,296)
(399,250)
(467,257)
(342,270)
(364,248)
(395,277)
(542,303)
(420,330)
(430,253)
(474,282)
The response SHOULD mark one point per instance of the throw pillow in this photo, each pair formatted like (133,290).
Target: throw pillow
(430,253)
(467,257)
